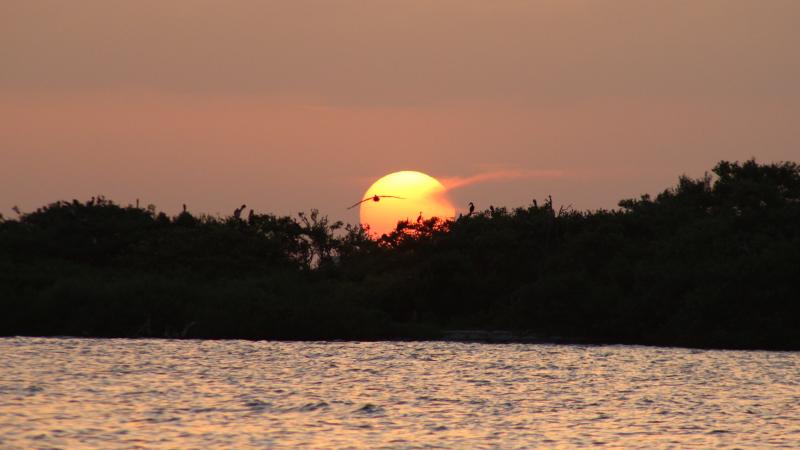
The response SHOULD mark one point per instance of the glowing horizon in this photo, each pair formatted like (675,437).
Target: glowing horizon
(421,194)
(287,108)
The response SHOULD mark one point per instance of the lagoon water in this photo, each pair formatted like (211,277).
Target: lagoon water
(90,393)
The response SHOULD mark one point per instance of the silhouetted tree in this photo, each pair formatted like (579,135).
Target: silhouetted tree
(711,262)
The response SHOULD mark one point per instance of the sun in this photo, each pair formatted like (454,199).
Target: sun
(419,192)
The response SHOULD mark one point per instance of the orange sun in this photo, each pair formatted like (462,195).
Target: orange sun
(420,193)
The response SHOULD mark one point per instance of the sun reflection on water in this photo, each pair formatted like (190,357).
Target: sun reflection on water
(78,393)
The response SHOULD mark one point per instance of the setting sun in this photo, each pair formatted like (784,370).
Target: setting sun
(418,194)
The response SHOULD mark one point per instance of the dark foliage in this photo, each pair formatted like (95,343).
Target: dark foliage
(712,262)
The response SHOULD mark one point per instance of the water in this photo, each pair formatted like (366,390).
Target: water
(86,393)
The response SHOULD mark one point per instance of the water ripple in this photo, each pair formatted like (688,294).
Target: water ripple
(86,393)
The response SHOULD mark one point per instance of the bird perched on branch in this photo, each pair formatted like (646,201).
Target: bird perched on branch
(471,208)
(237,213)
(376,198)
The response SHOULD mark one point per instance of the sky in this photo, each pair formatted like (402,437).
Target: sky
(293,105)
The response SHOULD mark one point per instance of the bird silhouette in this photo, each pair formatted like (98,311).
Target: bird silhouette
(471,208)
(237,213)
(376,198)
(419,217)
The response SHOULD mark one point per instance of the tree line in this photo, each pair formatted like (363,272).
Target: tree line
(710,262)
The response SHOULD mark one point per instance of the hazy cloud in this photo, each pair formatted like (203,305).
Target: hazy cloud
(498,175)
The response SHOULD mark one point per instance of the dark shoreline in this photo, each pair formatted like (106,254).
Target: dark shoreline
(709,263)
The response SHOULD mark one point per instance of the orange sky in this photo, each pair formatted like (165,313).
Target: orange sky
(288,106)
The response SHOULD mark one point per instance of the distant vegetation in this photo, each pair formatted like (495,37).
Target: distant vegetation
(712,262)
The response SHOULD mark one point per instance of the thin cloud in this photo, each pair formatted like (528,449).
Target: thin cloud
(498,175)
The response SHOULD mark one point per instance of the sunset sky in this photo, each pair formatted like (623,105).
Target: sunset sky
(288,106)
